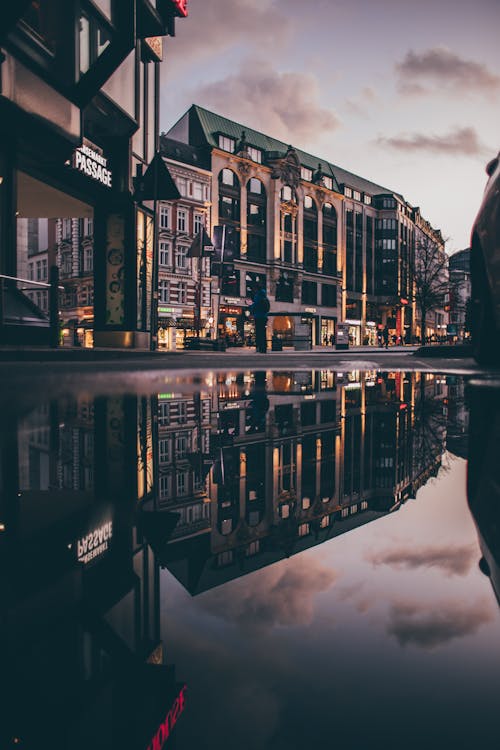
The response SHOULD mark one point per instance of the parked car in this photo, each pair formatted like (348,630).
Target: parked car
(485,271)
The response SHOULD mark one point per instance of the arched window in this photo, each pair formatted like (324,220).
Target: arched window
(329,240)
(310,235)
(229,203)
(288,224)
(256,220)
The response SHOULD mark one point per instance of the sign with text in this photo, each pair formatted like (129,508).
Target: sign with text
(90,160)
(94,544)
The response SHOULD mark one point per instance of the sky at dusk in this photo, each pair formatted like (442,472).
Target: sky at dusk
(405,94)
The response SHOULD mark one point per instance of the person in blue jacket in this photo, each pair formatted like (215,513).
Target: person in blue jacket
(259,309)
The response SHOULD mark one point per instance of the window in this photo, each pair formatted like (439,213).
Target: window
(66,229)
(303,529)
(286,193)
(182,483)
(356,195)
(164,217)
(181,185)
(197,191)
(285,511)
(66,264)
(306,174)
(39,270)
(347,191)
(226,526)
(164,290)
(199,223)
(255,154)
(226,143)
(227,177)
(164,450)
(165,257)
(165,489)
(328,182)
(181,220)
(306,503)
(31,274)
(367,199)
(163,414)
(181,260)
(252,548)
(329,295)
(309,293)
(225,558)
(181,445)
(88,258)
(325,522)
(182,293)
(308,202)
(255,186)
(344,512)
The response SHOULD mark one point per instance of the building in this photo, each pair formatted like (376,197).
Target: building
(329,246)
(460,294)
(184,288)
(78,122)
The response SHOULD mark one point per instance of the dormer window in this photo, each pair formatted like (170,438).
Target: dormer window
(255,154)
(306,174)
(367,199)
(226,143)
(356,195)
(347,192)
(328,182)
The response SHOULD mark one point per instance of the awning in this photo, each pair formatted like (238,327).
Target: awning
(185,323)
(167,322)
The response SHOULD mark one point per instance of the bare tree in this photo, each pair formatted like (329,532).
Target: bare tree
(430,278)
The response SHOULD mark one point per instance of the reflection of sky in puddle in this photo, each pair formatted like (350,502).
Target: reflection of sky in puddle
(389,628)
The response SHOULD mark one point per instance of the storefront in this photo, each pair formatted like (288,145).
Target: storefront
(234,326)
(354,331)
(327,334)
(371,334)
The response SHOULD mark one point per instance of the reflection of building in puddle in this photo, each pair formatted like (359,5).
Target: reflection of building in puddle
(293,468)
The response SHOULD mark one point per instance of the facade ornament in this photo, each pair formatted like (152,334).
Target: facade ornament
(318,177)
(242,147)
(244,168)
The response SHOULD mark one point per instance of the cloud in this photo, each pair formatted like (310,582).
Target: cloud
(360,105)
(442,67)
(411,625)
(461,141)
(286,105)
(453,560)
(282,595)
(215,26)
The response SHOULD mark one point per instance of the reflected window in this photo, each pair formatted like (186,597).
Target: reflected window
(325,521)
(306,503)
(225,558)
(226,526)
(253,548)
(285,511)
(303,529)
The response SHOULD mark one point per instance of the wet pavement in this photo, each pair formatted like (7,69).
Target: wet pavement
(268,558)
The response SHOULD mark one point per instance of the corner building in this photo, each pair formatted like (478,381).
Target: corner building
(329,246)
(78,122)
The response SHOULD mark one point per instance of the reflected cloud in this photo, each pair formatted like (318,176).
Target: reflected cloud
(412,624)
(452,560)
(288,103)
(284,595)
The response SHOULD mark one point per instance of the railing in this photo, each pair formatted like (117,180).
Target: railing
(53,287)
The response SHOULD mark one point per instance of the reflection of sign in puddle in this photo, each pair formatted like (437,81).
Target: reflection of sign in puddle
(95,544)
(165,728)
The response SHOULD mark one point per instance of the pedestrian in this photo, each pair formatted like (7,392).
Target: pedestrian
(385,336)
(260,308)
(332,339)
(325,340)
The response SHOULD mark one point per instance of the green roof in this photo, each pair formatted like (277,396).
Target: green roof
(212,124)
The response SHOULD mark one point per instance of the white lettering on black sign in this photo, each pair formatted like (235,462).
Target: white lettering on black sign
(95,543)
(92,164)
